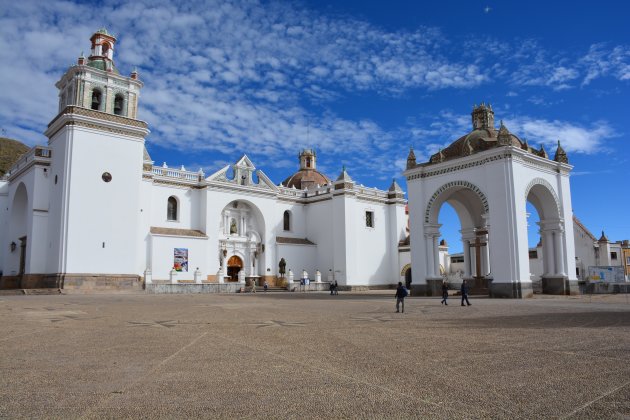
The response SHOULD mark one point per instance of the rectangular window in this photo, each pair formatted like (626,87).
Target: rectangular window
(627,260)
(613,255)
(369,219)
(533,254)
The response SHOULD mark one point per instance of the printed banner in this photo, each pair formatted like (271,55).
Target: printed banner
(181,259)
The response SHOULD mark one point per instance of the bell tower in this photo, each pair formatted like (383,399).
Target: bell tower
(96,144)
(95,82)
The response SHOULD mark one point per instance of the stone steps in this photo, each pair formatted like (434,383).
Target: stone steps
(270,289)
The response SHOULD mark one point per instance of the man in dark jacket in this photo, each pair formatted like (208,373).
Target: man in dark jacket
(465,293)
(401,294)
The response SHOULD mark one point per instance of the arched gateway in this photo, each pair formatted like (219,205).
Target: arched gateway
(488,176)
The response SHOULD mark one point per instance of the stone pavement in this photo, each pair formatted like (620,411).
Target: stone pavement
(312,355)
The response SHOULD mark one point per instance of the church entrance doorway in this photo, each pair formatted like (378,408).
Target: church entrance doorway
(234,265)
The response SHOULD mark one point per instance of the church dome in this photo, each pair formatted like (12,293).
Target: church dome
(484,136)
(307,176)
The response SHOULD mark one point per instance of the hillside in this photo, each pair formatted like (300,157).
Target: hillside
(10,152)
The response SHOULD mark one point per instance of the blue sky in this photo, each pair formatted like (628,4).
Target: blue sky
(360,81)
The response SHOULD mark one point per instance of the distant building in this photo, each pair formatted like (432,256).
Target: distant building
(589,252)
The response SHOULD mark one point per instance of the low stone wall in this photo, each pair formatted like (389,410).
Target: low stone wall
(311,287)
(604,288)
(95,283)
(28,281)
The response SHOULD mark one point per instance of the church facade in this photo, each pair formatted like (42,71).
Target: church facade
(91,210)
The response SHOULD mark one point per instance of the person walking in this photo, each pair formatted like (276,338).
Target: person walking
(336,287)
(265,286)
(464,291)
(444,293)
(401,294)
(253,286)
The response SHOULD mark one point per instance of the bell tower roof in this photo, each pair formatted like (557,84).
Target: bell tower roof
(102,54)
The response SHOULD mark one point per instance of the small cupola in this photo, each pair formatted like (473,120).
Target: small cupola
(603,238)
(102,54)
(482,117)
(308,159)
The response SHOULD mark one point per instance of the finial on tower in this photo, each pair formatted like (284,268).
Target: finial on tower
(561,155)
(411,158)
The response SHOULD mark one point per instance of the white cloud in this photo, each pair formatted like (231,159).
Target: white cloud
(573,137)
(228,75)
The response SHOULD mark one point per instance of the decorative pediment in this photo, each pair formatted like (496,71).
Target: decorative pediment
(244,162)
(243,175)
(220,175)
(264,181)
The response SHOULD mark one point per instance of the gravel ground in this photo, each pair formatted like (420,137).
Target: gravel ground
(292,355)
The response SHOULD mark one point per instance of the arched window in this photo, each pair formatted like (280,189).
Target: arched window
(171,209)
(308,162)
(104,49)
(287,220)
(96,99)
(118,104)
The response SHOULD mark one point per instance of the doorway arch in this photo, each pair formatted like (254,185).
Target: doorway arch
(234,266)
(241,227)
(542,196)
(472,209)
(18,234)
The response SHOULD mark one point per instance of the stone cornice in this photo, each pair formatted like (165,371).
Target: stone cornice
(478,159)
(75,115)
(72,70)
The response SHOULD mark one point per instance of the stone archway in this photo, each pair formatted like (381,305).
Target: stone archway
(472,209)
(17,259)
(541,194)
(488,175)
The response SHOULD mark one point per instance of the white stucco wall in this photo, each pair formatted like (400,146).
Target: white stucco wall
(103,216)
(162,256)
(299,257)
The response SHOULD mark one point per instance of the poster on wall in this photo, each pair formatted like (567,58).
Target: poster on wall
(606,274)
(180,259)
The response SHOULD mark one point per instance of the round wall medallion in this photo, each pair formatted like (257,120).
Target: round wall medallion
(106,176)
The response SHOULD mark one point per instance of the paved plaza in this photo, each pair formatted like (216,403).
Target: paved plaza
(292,355)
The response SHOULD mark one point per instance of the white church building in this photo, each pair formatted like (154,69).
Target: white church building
(91,211)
